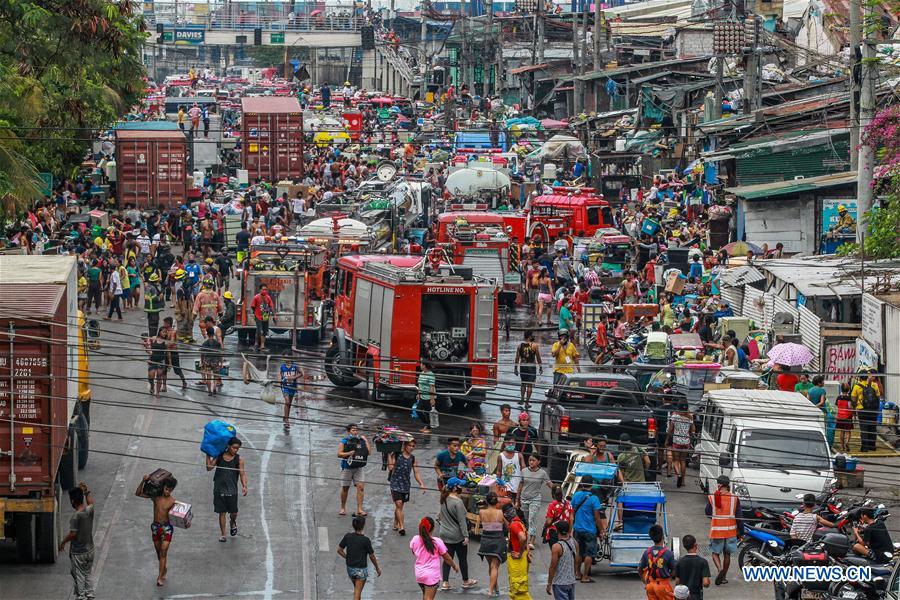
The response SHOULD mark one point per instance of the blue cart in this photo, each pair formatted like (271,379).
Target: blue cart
(637,506)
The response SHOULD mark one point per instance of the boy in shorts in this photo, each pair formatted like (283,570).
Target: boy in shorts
(289,375)
(161,528)
(355,548)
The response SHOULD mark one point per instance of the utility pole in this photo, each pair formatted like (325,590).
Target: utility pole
(584,33)
(855,38)
(577,85)
(597,27)
(718,95)
(464,55)
(490,44)
(540,35)
(751,70)
(864,193)
(423,35)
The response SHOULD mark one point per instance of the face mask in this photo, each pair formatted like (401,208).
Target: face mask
(510,448)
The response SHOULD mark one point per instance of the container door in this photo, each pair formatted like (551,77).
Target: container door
(257,148)
(135,182)
(170,173)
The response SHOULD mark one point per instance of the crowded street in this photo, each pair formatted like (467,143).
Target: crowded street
(504,300)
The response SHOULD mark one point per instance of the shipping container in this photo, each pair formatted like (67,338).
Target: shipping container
(151,168)
(44,404)
(272,138)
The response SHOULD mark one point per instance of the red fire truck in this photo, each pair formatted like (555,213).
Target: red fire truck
(393,312)
(480,240)
(295,275)
(568,211)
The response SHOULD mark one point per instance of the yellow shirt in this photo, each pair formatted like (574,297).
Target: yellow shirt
(82,285)
(564,361)
(101,243)
(857,394)
(123,276)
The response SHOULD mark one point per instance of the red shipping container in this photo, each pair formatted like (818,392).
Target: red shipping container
(33,362)
(151,168)
(272,138)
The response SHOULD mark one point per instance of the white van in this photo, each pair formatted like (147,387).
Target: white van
(770,443)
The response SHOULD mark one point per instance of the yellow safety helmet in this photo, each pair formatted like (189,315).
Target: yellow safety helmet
(228,295)
(842,208)
(209,261)
(179,274)
(154,277)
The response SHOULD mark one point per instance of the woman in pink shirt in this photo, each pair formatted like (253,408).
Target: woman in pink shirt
(429,552)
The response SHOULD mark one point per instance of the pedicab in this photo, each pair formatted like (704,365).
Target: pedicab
(634,508)
(603,474)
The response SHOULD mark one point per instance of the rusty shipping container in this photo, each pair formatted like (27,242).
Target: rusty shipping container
(272,138)
(151,168)
(39,408)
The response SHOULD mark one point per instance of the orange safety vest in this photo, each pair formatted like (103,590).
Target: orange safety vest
(724,523)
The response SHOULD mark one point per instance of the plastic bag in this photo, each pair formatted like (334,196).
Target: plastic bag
(215,437)
(267,394)
(433,420)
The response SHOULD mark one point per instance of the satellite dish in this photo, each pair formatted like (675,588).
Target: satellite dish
(386,171)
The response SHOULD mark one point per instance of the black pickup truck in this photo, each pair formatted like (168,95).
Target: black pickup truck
(590,405)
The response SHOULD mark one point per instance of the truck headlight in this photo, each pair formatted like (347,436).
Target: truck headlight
(740,490)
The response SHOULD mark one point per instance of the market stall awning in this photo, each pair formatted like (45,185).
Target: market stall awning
(795,186)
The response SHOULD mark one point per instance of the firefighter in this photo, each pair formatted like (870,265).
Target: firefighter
(184,316)
(153,303)
(229,311)
(207,303)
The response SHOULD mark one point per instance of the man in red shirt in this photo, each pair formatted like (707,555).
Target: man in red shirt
(262,307)
(518,557)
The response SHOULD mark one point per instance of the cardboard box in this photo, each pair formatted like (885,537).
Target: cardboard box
(675,284)
(181,515)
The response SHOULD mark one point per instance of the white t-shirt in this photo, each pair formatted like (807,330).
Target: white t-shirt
(144,242)
(561,245)
(511,471)
(298,205)
(115,283)
(257,240)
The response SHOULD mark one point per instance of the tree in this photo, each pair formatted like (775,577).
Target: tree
(67,69)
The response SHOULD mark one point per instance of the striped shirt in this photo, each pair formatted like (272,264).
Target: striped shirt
(804,526)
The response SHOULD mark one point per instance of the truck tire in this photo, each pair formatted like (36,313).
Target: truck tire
(68,464)
(556,467)
(335,371)
(26,538)
(47,530)
(82,429)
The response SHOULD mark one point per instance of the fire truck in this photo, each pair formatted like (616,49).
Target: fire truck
(392,312)
(296,277)
(480,240)
(568,211)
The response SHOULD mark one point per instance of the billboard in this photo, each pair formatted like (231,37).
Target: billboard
(189,36)
(830,211)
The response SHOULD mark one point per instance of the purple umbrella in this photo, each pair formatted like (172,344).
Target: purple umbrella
(790,354)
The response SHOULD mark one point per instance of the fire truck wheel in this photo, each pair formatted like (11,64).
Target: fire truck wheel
(339,374)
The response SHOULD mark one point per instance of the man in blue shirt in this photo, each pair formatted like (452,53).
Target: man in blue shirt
(449,463)
(192,270)
(590,522)
(289,374)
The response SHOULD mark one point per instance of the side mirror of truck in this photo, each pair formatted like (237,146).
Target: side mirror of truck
(725,460)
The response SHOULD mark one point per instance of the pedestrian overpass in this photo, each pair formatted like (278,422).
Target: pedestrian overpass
(234,25)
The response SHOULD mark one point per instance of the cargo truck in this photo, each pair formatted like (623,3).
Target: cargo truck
(44,399)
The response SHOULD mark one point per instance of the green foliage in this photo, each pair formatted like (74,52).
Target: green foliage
(67,69)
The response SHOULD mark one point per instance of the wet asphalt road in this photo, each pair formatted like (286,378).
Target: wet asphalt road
(288,525)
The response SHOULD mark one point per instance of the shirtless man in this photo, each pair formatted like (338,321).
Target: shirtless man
(167,332)
(628,293)
(161,527)
(504,424)
(206,236)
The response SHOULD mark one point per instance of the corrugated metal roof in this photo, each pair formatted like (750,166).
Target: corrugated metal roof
(270,104)
(144,134)
(146,126)
(39,300)
(826,275)
(783,188)
(662,64)
(739,276)
(23,268)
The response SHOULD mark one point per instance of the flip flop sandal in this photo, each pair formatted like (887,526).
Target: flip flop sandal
(233,531)
(470,585)
(223,539)
(445,587)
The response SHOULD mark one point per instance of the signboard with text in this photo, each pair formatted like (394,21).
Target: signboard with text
(872,322)
(830,211)
(190,36)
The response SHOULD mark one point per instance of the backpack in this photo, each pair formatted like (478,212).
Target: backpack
(360,453)
(870,400)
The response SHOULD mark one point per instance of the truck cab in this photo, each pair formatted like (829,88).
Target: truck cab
(479,240)
(393,312)
(295,276)
(569,211)
(771,444)
(592,404)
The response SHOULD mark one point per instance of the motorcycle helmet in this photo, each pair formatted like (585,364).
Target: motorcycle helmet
(836,544)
